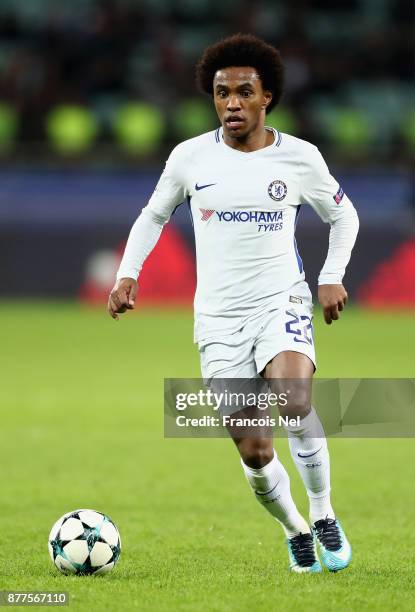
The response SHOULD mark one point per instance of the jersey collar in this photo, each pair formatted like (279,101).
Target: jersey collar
(277,141)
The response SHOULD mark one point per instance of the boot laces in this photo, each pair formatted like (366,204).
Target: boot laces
(328,533)
(302,548)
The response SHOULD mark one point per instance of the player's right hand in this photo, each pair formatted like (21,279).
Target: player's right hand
(122,297)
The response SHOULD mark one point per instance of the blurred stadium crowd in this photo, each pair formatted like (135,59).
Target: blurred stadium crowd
(91,76)
(95,93)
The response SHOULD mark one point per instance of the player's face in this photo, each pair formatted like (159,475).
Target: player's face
(240,100)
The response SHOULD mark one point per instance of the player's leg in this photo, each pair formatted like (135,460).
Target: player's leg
(308,446)
(307,441)
(270,484)
(231,358)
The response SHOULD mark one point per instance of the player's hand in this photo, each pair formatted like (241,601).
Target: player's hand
(333,299)
(122,297)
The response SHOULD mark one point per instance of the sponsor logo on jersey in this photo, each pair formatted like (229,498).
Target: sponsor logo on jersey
(206,213)
(268,221)
(338,196)
(244,216)
(277,190)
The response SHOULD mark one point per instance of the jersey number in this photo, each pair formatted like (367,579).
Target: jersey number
(301,327)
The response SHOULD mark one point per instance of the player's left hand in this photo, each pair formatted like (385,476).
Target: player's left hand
(122,297)
(333,299)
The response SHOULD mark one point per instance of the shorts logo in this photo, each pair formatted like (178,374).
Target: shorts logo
(277,190)
(206,214)
(338,196)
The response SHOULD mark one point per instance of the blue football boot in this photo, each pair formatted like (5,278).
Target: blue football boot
(302,554)
(334,547)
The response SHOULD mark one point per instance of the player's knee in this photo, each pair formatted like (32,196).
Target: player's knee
(256,453)
(298,405)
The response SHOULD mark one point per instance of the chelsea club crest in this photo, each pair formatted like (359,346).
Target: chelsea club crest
(277,190)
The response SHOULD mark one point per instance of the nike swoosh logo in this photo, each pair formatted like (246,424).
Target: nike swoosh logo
(199,187)
(343,554)
(305,456)
(268,492)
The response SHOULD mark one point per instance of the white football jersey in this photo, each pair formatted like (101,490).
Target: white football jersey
(244,208)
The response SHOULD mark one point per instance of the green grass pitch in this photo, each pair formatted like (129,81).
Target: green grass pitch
(82,426)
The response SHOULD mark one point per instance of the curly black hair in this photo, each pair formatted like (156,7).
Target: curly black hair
(243,50)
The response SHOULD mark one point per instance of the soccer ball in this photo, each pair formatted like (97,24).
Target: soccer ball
(84,542)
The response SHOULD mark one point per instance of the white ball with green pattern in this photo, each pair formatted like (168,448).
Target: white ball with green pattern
(84,542)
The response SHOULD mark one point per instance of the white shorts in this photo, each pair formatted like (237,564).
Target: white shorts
(245,353)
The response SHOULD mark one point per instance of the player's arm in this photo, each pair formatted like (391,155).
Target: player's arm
(323,193)
(145,232)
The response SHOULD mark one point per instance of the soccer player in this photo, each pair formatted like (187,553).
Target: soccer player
(244,184)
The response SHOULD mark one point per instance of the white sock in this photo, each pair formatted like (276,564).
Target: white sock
(271,486)
(309,451)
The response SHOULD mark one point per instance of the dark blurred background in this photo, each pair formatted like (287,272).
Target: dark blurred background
(94,94)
